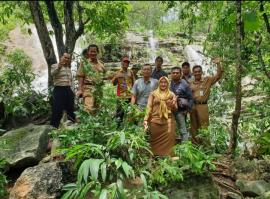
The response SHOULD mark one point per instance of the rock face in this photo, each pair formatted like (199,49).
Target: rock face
(43,181)
(25,146)
(195,187)
(253,188)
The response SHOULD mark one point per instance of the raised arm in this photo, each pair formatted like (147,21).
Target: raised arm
(219,73)
(55,68)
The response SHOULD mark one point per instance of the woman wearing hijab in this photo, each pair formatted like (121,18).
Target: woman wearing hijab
(159,118)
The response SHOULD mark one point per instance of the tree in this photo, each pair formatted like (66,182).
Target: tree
(238,88)
(69,20)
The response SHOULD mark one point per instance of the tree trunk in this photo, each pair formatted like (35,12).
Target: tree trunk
(57,27)
(238,88)
(69,26)
(259,54)
(265,17)
(44,37)
(72,34)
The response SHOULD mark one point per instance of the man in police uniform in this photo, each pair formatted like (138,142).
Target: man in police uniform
(201,90)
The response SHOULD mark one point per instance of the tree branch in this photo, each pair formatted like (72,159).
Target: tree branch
(57,27)
(69,25)
(43,35)
(265,17)
(80,30)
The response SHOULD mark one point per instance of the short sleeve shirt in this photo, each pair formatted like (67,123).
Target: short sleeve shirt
(124,83)
(142,90)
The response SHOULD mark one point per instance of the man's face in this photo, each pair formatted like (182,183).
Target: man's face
(176,75)
(65,59)
(158,63)
(186,70)
(92,53)
(146,71)
(125,64)
(197,73)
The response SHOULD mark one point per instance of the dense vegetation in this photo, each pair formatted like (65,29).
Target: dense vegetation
(106,159)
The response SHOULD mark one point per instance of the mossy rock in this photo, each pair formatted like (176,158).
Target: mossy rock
(24,146)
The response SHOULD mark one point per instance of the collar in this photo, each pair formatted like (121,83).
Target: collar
(122,71)
(159,71)
(148,81)
(98,62)
(179,81)
(198,82)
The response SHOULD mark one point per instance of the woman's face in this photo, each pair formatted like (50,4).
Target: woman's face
(163,85)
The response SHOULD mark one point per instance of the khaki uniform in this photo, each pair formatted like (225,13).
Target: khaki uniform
(200,91)
(162,130)
(92,77)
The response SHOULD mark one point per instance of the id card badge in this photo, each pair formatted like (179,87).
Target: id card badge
(201,92)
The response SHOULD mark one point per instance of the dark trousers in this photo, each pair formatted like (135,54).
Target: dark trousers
(120,112)
(63,100)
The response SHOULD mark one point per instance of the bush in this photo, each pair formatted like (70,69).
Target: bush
(17,93)
(3,180)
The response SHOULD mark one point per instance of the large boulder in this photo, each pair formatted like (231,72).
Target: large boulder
(43,181)
(25,146)
(194,187)
(253,188)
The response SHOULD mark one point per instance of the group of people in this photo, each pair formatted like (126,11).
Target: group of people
(166,103)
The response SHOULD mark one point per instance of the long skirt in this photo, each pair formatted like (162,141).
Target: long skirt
(162,138)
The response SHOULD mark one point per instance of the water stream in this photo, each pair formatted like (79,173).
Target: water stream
(152,45)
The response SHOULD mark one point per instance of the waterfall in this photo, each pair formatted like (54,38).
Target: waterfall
(153,45)
(194,55)
(40,68)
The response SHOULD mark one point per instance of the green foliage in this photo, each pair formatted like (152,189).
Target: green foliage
(3,180)
(6,28)
(106,157)
(263,143)
(107,17)
(193,158)
(142,10)
(165,172)
(102,153)
(216,136)
(17,93)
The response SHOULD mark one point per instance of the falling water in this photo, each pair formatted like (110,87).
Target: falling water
(194,55)
(153,45)
(40,70)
